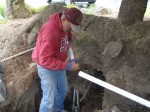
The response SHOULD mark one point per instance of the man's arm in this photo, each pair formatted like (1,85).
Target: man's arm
(47,52)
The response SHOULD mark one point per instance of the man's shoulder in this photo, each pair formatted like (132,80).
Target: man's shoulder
(48,26)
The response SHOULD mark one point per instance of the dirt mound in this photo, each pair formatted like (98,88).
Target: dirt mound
(8,33)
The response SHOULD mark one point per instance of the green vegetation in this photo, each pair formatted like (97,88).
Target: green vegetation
(2,12)
(35,10)
(3,21)
(91,10)
(71,5)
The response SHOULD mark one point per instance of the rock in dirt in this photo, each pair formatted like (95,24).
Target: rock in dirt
(112,49)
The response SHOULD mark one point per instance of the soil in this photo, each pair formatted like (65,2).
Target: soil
(89,103)
(100,36)
(12,25)
(8,32)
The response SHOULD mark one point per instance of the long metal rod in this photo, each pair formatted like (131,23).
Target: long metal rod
(75,106)
(115,89)
(77,93)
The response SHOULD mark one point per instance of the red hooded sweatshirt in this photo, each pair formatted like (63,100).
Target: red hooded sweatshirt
(52,44)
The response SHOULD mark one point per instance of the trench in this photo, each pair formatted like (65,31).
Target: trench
(90,94)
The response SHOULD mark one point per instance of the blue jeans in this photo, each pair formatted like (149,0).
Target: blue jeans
(54,85)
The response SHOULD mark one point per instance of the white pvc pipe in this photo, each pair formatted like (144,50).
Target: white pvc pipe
(71,53)
(115,89)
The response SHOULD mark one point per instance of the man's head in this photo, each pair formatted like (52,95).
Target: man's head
(71,19)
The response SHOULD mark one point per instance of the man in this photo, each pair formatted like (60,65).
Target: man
(50,54)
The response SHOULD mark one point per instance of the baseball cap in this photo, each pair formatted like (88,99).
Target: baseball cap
(74,16)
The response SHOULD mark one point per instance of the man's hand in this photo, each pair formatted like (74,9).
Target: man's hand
(74,66)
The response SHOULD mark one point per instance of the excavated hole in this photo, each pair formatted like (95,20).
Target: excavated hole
(90,94)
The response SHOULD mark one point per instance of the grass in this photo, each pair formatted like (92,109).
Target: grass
(2,12)
(91,10)
(30,8)
(35,10)
(4,21)
(71,5)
